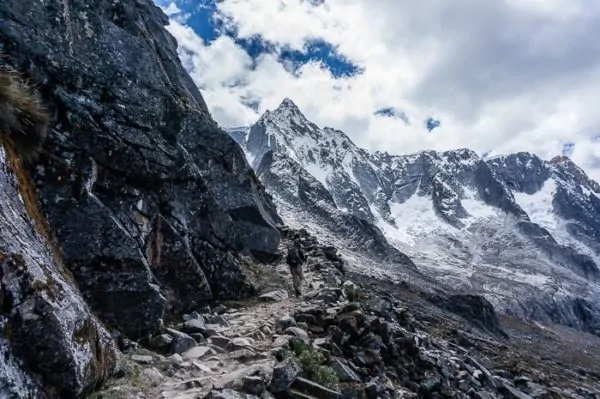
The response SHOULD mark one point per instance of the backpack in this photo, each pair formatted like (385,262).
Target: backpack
(292,257)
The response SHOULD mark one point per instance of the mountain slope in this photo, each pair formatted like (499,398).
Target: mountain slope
(520,230)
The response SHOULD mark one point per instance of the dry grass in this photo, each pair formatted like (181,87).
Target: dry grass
(23,118)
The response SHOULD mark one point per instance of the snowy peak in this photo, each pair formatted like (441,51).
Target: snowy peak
(518,229)
(575,173)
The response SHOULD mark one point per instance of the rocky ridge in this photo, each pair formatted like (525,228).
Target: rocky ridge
(516,229)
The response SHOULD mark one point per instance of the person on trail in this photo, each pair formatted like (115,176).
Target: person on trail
(295,260)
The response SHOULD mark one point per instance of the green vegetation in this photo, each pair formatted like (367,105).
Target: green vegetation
(354,293)
(312,361)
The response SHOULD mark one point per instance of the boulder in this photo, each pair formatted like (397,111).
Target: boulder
(298,333)
(198,352)
(161,342)
(284,374)
(283,323)
(344,372)
(181,341)
(193,326)
(254,385)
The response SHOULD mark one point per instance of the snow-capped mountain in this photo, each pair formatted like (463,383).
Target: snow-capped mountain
(522,231)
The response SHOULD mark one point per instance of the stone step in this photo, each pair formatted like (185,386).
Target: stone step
(313,389)
(299,395)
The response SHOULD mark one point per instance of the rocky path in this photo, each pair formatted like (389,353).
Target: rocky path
(343,341)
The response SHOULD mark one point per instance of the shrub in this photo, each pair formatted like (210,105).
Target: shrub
(23,119)
(311,361)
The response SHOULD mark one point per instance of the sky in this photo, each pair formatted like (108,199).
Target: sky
(495,76)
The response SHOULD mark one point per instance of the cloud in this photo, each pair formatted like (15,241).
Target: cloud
(503,76)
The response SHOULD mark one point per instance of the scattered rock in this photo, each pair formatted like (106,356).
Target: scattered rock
(161,342)
(199,337)
(152,377)
(219,341)
(228,394)
(275,296)
(181,341)
(284,374)
(192,316)
(284,323)
(510,392)
(298,333)
(194,326)
(344,372)
(198,352)
(237,344)
(220,309)
(175,359)
(313,389)
(254,385)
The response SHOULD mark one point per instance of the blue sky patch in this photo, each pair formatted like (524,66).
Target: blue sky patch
(568,148)
(202,17)
(392,112)
(432,124)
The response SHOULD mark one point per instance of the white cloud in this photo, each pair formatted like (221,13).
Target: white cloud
(502,76)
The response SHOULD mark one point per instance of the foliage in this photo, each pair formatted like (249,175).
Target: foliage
(312,361)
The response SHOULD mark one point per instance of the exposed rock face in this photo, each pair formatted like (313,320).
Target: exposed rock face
(521,231)
(50,342)
(150,201)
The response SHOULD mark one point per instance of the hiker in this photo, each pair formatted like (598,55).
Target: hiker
(295,260)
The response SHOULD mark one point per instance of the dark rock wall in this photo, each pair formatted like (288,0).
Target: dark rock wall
(150,201)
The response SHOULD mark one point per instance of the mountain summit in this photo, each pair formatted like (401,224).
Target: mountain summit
(520,230)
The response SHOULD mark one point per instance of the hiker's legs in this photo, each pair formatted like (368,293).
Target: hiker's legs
(297,279)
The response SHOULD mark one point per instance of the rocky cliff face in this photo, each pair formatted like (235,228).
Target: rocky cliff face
(50,342)
(518,229)
(153,207)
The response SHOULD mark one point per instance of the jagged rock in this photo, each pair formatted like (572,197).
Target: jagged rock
(193,326)
(198,352)
(275,296)
(430,385)
(238,343)
(313,389)
(344,372)
(175,359)
(228,394)
(298,333)
(152,376)
(219,341)
(282,340)
(284,374)
(486,375)
(245,355)
(510,392)
(284,323)
(199,337)
(217,320)
(49,338)
(219,309)
(181,341)
(161,342)
(254,385)
(211,330)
